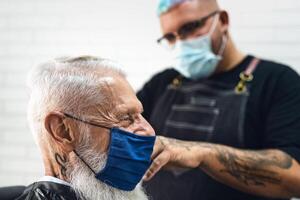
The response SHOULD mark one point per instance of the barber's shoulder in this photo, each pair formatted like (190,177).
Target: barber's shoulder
(277,75)
(274,69)
(163,78)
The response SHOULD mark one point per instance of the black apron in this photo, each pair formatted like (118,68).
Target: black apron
(204,111)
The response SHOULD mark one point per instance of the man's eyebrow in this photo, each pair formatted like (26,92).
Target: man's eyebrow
(135,110)
(129,110)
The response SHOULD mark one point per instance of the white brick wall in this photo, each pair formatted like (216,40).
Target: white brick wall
(34,30)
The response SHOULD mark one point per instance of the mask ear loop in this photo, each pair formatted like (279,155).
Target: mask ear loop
(90,123)
(224,38)
(214,25)
(223,45)
(83,161)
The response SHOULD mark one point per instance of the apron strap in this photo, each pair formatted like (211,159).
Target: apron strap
(246,76)
(252,66)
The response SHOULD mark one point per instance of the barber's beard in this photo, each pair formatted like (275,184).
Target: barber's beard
(87,187)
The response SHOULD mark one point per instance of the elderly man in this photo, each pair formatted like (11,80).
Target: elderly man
(87,121)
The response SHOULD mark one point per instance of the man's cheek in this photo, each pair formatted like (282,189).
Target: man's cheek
(100,142)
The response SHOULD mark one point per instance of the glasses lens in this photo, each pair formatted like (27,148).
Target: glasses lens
(166,44)
(170,37)
(189,28)
(167,41)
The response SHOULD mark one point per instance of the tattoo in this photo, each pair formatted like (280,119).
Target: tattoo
(61,161)
(187,145)
(253,168)
(278,159)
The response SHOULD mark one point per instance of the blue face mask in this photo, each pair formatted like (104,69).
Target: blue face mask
(195,58)
(128,158)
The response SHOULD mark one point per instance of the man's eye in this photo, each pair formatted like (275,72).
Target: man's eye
(131,119)
(128,118)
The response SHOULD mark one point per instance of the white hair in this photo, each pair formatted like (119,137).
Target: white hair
(86,186)
(68,84)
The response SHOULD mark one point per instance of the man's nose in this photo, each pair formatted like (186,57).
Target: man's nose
(142,127)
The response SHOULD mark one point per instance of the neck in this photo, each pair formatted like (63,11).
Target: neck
(231,57)
(55,164)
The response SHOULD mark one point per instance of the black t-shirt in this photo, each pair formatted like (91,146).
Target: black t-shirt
(272,116)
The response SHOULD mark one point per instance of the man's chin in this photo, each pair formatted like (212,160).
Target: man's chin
(86,185)
(93,189)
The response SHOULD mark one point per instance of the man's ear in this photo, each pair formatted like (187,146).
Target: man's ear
(57,129)
(224,18)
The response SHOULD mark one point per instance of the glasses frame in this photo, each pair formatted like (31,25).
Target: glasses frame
(180,31)
(86,122)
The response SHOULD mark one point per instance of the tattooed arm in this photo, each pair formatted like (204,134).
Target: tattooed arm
(270,173)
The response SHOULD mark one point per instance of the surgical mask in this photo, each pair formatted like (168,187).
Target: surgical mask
(128,158)
(195,58)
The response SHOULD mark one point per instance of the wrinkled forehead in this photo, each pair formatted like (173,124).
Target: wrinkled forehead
(122,96)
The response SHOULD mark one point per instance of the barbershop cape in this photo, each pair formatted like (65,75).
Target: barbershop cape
(51,189)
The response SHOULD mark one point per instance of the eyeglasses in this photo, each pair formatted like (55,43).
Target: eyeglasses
(84,121)
(185,30)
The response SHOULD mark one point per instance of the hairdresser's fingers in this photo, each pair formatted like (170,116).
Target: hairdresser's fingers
(158,147)
(161,160)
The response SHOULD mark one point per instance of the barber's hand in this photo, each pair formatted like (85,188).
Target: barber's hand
(170,153)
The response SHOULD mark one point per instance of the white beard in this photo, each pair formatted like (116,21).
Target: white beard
(87,187)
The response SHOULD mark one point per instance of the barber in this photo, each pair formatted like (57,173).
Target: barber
(229,123)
